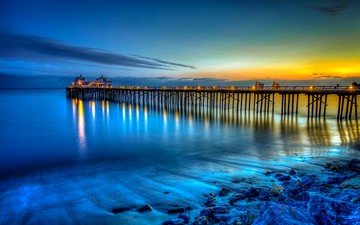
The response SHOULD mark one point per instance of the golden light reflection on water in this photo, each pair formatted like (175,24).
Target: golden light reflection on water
(81,128)
(289,134)
(103,106)
(303,132)
(348,131)
(146,114)
(165,119)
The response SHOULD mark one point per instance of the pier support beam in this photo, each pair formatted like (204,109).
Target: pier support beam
(347,105)
(230,101)
(289,104)
(317,104)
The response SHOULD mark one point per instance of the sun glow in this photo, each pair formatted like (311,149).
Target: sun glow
(295,70)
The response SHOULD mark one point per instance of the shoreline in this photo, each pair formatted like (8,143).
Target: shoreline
(328,196)
(206,194)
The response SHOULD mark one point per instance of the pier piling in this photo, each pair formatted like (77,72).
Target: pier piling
(235,100)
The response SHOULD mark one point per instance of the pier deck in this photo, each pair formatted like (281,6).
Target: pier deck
(236,98)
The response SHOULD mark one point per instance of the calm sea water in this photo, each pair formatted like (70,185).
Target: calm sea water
(50,144)
(41,128)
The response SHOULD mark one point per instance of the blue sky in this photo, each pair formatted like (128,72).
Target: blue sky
(237,40)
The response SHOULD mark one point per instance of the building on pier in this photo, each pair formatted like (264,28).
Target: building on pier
(355,85)
(258,85)
(275,86)
(80,81)
(101,82)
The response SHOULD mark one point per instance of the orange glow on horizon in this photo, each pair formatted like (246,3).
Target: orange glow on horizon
(316,69)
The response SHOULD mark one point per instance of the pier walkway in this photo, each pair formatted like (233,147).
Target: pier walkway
(236,98)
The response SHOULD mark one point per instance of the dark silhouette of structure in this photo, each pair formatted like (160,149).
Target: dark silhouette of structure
(101,82)
(257,98)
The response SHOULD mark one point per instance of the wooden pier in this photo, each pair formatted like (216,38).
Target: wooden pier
(236,99)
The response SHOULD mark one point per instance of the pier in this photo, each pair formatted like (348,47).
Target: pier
(259,100)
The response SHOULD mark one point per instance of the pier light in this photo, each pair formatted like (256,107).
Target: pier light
(311,88)
(351,88)
(214,87)
(185,87)
(253,87)
(198,87)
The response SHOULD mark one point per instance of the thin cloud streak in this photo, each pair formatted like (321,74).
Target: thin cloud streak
(332,10)
(165,62)
(21,46)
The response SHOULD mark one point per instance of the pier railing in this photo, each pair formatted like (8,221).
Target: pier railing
(259,99)
(298,88)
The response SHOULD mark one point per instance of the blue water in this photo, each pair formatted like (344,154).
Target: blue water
(52,147)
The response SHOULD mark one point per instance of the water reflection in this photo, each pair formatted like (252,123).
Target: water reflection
(348,131)
(123,107)
(256,133)
(92,103)
(145,109)
(74,109)
(107,109)
(319,133)
(103,106)
(164,112)
(270,127)
(78,105)
(130,112)
(177,120)
(137,109)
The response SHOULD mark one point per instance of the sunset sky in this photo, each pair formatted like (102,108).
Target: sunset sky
(236,40)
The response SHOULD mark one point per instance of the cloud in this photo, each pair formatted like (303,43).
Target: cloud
(165,62)
(330,9)
(325,76)
(21,46)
